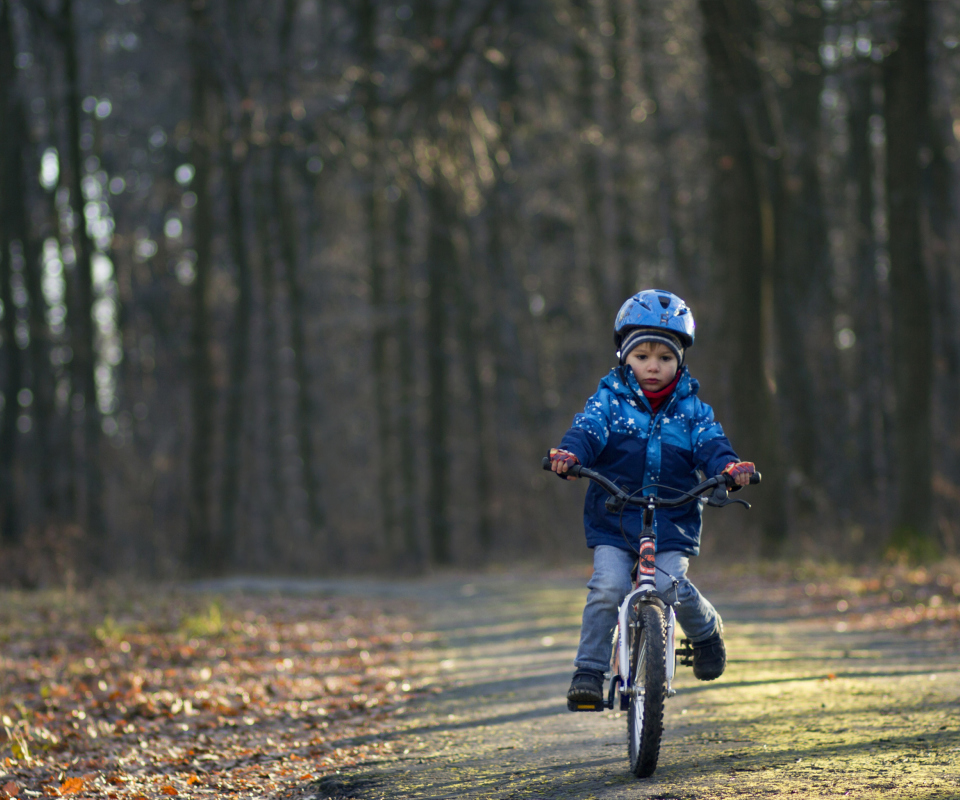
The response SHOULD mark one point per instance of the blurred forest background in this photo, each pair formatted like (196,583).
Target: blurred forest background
(312,285)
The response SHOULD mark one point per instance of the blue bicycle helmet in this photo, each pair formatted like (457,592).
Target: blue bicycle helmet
(655,308)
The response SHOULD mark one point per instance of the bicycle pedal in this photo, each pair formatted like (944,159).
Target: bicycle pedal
(685,653)
(572,706)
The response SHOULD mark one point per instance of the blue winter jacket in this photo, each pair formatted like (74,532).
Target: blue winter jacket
(620,436)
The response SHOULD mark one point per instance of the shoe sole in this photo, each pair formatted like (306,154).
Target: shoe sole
(711,678)
(584,703)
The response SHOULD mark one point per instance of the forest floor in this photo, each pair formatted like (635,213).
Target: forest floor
(841,683)
(172,691)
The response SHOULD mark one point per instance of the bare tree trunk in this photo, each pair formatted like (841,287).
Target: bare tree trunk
(625,187)
(940,201)
(871,345)
(234,165)
(41,375)
(668,232)
(84,354)
(62,452)
(520,393)
(12,198)
(201,550)
(276,494)
(19,163)
(10,532)
(366,21)
(440,254)
(407,458)
(591,136)
(811,400)
(469,333)
(285,212)
(517,373)
(286,216)
(906,83)
(746,242)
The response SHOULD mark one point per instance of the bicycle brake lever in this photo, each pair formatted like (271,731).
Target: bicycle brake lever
(719,499)
(614,504)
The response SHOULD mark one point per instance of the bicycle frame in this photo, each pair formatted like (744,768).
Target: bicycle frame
(645,589)
(646,615)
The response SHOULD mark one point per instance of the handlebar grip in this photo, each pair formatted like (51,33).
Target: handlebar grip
(732,484)
(573,472)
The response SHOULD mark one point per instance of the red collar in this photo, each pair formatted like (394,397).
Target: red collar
(659,397)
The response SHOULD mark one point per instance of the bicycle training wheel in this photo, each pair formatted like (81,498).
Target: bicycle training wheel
(648,670)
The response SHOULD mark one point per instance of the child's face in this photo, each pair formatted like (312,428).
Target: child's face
(654,364)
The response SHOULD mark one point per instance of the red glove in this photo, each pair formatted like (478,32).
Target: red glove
(740,471)
(561,461)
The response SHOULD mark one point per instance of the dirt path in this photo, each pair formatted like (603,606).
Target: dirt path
(811,705)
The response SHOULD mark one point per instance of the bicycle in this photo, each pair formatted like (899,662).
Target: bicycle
(644,657)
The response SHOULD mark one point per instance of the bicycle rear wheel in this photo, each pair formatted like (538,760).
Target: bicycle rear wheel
(648,690)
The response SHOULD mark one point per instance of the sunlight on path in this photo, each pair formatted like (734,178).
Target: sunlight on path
(803,710)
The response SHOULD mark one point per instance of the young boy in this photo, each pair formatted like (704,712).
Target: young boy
(646,425)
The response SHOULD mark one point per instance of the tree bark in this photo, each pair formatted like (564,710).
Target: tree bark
(201,550)
(406,411)
(10,531)
(906,82)
(12,198)
(590,168)
(84,354)
(289,249)
(21,163)
(667,229)
(940,201)
(624,181)
(234,165)
(804,322)
(285,212)
(440,255)
(469,334)
(276,496)
(746,242)
(367,32)
(871,346)
(517,374)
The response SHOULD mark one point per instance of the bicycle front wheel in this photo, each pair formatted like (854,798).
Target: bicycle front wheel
(648,689)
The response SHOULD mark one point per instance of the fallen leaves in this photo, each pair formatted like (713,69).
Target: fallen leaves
(865,597)
(72,786)
(149,694)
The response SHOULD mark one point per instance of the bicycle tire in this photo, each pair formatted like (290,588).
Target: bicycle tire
(648,670)
(615,657)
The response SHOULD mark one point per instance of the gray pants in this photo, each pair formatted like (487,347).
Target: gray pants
(612,580)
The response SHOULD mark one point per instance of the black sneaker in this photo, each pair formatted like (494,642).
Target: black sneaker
(586,691)
(710,656)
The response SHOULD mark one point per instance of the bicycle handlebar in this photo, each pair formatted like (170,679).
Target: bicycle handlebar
(620,497)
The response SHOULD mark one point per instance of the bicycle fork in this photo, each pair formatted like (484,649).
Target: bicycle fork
(625,684)
(646,588)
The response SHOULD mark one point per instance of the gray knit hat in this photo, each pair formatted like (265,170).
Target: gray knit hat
(653,335)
